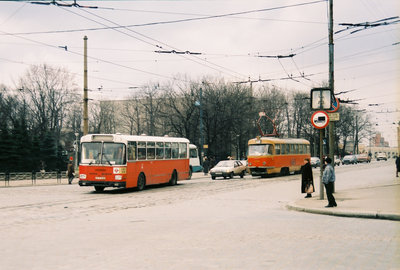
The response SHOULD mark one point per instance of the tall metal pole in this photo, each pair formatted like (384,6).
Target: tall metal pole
(331,85)
(321,167)
(201,126)
(85,89)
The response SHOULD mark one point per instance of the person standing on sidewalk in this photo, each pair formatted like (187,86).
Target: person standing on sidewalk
(397,166)
(206,165)
(307,181)
(328,178)
(70,172)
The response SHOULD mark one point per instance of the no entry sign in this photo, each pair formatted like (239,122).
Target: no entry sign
(320,119)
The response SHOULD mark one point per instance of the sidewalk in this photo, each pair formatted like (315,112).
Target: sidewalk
(380,202)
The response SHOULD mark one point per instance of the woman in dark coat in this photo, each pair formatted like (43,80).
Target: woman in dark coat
(307,178)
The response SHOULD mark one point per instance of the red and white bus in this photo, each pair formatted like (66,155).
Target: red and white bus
(127,161)
(268,155)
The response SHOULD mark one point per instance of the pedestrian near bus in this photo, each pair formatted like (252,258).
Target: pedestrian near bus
(328,178)
(397,166)
(70,172)
(307,180)
(206,165)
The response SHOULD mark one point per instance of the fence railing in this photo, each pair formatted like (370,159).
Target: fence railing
(33,176)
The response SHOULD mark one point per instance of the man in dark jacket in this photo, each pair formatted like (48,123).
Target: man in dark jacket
(307,181)
(70,172)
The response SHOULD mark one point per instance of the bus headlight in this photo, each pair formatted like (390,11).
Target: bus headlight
(82,176)
(118,177)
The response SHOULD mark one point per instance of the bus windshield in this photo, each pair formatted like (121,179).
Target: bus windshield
(260,149)
(103,153)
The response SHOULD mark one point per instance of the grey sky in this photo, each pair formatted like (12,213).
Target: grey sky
(366,62)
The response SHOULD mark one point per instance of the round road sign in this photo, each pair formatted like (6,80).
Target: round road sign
(320,119)
(334,106)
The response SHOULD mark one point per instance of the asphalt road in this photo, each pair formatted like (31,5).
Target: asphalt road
(198,224)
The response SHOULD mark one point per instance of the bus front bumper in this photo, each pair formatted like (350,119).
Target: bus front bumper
(102,183)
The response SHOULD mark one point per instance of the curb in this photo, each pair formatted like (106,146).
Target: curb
(344,213)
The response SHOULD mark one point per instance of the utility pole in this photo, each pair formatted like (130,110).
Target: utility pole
(201,127)
(85,89)
(331,85)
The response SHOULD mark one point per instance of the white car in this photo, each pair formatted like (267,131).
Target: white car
(315,162)
(228,168)
(381,156)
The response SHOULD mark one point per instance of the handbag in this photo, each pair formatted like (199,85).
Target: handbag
(309,188)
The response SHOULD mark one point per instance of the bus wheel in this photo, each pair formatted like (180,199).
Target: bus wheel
(99,189)
(141,182)
(174,179)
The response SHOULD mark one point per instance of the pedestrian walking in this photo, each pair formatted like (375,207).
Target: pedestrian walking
(70,172)
(397,166)
(206,165)
(307,180)
(328,178)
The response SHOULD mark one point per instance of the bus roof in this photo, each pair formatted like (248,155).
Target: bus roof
(277,140)
(121,138)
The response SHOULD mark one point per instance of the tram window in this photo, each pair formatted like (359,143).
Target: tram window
(283,148)
(287,148)
(296,148)
(277,149)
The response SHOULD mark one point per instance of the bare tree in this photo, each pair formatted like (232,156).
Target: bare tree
(48,92)
(131,115)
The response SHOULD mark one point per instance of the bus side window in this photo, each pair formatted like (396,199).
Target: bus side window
(168,150)
(287,149)
(283,148)
(131,150)
(142,150)
(277,149)
(151,151)
(159,150)
(182,150)
(296,148)
(175,150)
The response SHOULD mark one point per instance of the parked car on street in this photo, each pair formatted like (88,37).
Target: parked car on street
(361,158)
(336,160)
(381,156)
(228,168)
(349,159)
(315,162)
